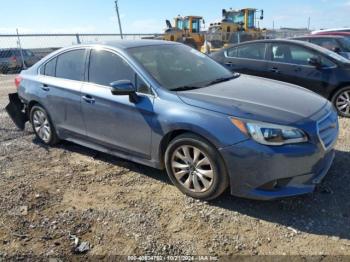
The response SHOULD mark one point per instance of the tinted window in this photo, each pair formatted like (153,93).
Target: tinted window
(291,54)
(70,65)
(106,67)
(252,51)
(50,67)
(142,87)
(232,52)
(5,54)
(328,43)
(28,53)
(345,42)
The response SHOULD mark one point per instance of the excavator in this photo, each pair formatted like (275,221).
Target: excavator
(236,26)
(187,30)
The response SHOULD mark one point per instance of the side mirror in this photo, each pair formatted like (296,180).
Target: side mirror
(122,88)
(336,49)
(314,61)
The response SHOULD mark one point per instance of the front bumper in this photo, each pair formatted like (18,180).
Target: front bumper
(264,173)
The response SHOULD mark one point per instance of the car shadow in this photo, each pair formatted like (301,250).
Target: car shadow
(324,212)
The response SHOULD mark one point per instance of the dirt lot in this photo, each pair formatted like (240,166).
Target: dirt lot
(122,208)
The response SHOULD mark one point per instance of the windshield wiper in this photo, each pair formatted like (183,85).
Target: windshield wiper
(185,88)
(223,79)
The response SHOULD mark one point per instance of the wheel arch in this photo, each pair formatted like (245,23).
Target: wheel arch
(339,87)
(171,135)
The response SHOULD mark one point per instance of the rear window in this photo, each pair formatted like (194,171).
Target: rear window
(70,65)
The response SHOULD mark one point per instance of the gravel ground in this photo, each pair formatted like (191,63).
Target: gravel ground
(53,196)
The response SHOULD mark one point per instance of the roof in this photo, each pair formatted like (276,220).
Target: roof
(344,29)
(126,44)
(334,33)
(318,36)
(290,41)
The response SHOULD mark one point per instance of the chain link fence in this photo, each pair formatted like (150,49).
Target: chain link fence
(218,39)
(22,51)
(19,51)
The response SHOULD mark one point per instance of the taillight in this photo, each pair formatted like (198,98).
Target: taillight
(13,58)
(18,80)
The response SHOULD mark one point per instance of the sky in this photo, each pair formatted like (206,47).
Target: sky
(141,16)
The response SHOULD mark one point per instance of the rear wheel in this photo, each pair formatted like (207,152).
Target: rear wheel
(42,126)
(341,101)
(195,167)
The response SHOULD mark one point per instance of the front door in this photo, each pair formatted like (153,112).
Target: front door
(115,121)
(289,63)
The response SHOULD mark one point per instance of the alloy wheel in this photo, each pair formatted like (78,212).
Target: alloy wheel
(192,168)
(42,125)
(343,102)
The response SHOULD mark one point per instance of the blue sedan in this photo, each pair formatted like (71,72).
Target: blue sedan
(171,107)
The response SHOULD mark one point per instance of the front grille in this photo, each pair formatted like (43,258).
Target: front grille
(328,129)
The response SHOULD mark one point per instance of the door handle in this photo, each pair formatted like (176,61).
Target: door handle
(45,87)
(89,99)
(275,70)
(297,69)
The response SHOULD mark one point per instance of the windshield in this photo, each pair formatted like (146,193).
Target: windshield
(235,17)
(176,66)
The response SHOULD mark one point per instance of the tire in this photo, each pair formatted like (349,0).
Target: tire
(204,177)
(42,126)
(4,70)
(341,101)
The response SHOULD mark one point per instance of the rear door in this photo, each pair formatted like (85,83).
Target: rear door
(59,88)
(247,59)
(289,63)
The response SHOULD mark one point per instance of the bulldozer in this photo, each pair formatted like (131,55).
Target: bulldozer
(236,26)
(187,30)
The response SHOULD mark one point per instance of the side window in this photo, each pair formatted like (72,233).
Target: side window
(232,52)
(291,54)
(142,87)
(252,51)
(326,62)
(70,65)
(50,68)
(328,43)
(106,67)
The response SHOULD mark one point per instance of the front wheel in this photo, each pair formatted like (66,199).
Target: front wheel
(341,101)
(195,167)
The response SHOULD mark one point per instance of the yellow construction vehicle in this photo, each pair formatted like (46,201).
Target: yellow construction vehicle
(236,26)
(187,30)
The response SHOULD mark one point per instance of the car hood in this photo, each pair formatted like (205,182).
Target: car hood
(259,99)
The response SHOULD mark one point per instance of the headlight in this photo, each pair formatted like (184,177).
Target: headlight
(270,134)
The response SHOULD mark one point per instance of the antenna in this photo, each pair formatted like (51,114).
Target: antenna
(120,25)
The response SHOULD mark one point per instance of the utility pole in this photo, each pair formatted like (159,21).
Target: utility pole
(20,49)
(308,23)
(120,25)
